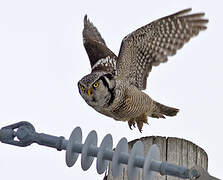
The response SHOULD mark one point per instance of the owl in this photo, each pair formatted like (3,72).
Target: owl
(114,86)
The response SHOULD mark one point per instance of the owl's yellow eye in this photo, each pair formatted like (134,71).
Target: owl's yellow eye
(96,84)
(82,88)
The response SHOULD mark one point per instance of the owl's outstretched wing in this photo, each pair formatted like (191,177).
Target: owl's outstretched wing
(100,56)
(151,44)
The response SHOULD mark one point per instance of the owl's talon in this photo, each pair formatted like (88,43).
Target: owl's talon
(140,125)
(130,126)
(131,123)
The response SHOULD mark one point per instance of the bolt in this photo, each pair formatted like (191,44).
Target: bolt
(194,174)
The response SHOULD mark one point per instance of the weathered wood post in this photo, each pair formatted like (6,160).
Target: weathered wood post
(173,150)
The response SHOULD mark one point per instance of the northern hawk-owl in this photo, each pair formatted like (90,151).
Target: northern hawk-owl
(114,86)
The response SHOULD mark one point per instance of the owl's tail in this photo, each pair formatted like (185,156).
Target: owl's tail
(164,110)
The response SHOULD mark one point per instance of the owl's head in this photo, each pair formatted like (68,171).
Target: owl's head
(97,89)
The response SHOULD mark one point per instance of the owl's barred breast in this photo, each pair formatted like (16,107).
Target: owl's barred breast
(130,103)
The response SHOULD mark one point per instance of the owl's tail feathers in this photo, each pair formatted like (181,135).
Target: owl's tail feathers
(164,110)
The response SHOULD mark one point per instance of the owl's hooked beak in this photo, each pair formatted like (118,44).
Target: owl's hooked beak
(89,92)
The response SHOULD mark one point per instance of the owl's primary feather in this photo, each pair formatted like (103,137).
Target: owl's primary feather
(114,85)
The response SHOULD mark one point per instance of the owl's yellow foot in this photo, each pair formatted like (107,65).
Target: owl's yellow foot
(131,123)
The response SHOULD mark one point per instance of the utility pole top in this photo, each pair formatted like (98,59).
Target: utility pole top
(173,150)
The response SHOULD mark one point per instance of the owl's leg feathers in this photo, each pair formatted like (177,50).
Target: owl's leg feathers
(140,120)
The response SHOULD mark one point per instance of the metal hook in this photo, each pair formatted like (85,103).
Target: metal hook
(24,133)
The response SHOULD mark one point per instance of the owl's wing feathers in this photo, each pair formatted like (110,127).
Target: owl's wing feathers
(100,56)
(91,32)
(151,44)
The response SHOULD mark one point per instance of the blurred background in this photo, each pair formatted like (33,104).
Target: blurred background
(42,58)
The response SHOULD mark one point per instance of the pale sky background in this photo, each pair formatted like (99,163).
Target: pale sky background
(42,58)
